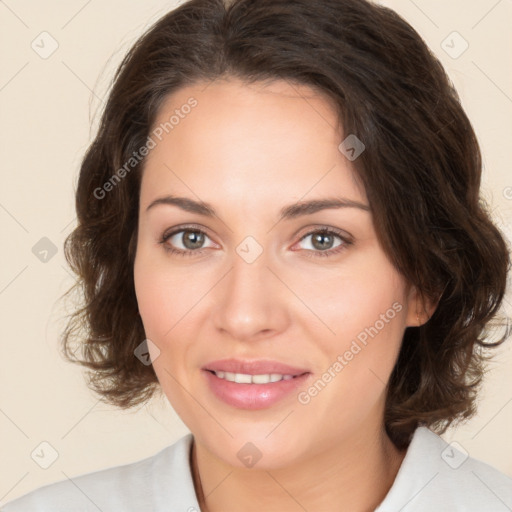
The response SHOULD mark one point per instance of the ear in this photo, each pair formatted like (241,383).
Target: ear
(419,308)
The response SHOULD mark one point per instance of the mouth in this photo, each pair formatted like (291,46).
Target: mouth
(253,385)
(247,378)
(252,368)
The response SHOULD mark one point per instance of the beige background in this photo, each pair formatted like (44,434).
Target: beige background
(48,108)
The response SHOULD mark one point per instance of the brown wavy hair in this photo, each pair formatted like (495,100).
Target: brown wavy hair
(421,170)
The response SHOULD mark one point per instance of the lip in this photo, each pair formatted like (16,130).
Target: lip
(256,367)
(253,396)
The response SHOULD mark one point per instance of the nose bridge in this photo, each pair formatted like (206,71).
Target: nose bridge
(249,301)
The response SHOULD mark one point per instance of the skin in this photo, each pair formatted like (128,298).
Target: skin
(249,150)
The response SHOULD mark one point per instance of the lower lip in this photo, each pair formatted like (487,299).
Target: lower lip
(253,396)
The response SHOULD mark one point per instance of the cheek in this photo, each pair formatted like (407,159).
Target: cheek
(161,309)
(366,309)
(360,297)
(367,314)
(163,296)
(148,290)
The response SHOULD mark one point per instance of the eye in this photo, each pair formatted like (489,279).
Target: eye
(185,241)
(189,241)
(325,242)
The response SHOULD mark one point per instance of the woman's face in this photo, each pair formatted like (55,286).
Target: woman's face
(256,280)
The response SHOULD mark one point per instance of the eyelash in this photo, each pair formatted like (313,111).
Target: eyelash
(309,253)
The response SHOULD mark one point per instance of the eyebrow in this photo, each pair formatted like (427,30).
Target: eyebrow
(288,212)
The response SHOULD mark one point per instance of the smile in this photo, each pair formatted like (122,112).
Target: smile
(245,378)
(253,392)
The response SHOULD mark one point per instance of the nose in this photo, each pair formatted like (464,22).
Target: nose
(250,301)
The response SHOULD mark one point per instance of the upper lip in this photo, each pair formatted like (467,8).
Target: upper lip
(255,367)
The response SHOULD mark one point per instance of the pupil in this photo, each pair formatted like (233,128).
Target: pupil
(193,239)
(319,241)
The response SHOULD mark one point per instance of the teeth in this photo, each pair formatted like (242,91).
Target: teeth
(244,378)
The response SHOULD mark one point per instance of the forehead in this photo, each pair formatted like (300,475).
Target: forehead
(276,137)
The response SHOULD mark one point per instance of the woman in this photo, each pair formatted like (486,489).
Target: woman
(279,227)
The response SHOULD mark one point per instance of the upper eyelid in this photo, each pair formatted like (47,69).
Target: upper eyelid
(322,227)
(191,227)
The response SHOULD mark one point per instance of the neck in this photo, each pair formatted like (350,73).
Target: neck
(356,475)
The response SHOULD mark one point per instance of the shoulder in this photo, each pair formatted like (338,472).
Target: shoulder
(435,475)
(142,485)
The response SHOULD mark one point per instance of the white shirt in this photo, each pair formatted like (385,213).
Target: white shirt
(433,476)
